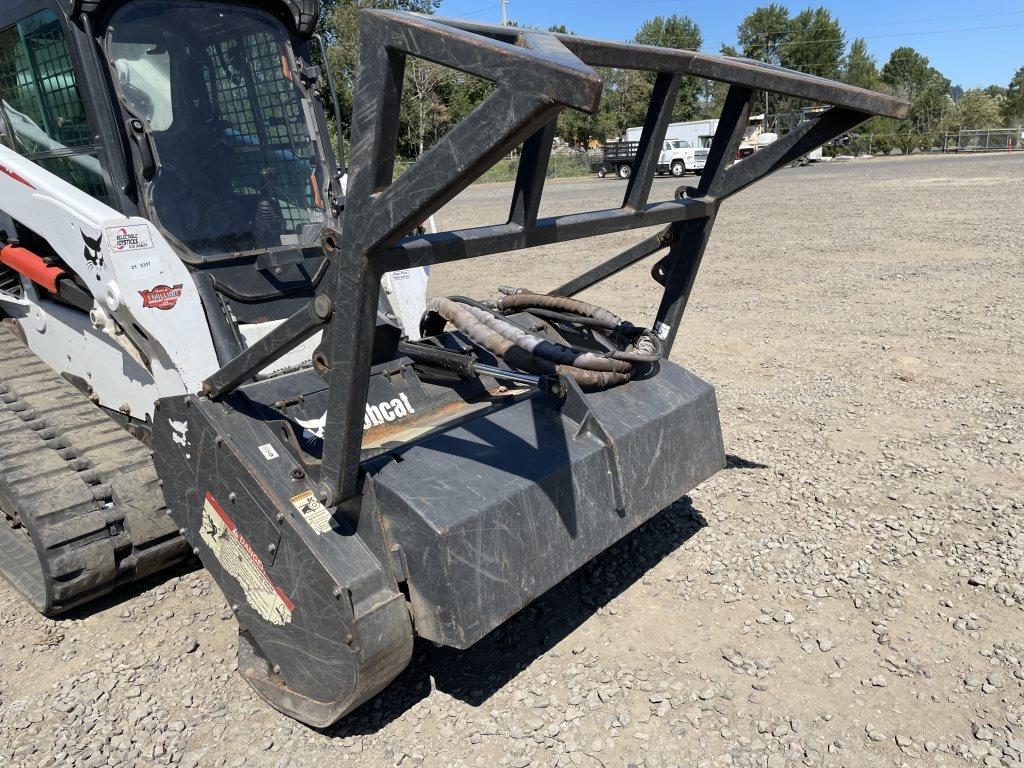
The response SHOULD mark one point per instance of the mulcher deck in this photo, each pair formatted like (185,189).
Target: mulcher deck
(82,509)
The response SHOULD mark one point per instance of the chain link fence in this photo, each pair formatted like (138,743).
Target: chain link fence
(987,140)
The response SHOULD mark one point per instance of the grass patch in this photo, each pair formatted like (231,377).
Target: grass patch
(559,167)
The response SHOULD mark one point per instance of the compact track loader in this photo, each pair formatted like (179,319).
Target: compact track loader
(217,340)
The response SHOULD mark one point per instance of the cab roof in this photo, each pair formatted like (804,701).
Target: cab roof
(304,13)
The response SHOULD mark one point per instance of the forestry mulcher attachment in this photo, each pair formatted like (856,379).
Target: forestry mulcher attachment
(213,346)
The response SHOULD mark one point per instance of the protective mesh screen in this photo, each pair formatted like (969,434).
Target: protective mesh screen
(41,103)
(37,80)
(251,90)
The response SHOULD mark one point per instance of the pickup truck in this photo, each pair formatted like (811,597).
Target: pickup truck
(677,157)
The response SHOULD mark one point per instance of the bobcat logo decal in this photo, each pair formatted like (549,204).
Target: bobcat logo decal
(93,255)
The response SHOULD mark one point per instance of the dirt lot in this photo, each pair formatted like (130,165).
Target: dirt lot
(849,592)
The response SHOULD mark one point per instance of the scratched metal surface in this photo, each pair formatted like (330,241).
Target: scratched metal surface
(493,512)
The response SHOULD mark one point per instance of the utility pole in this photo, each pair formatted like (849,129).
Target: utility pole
(504,13)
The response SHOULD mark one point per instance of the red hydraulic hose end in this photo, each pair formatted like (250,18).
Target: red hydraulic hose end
(26,263)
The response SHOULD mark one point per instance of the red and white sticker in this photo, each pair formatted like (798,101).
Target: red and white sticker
(15,175)
(133,237)
(161,296)
(236,554)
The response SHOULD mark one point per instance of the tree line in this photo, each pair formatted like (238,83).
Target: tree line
(812,41)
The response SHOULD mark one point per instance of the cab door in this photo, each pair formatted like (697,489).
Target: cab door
(43,114)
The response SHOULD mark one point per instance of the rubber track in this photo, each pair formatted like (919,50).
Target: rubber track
(90,506)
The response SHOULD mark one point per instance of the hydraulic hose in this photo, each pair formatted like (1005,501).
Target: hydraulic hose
(646,348)
(521,298)
(547,350)
(517,356)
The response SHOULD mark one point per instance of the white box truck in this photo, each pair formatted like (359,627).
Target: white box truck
(690,131)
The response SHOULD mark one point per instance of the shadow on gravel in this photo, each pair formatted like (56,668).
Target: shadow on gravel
(126,592)
(738,462)
(474,675)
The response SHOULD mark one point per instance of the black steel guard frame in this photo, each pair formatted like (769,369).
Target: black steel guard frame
(535,76)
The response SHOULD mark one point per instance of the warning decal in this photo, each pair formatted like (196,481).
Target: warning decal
(313,512)
(234,552)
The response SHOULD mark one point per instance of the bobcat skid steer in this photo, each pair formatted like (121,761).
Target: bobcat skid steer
(212,348)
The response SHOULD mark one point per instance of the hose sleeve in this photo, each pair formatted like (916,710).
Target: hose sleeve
(525,299)
(517,356)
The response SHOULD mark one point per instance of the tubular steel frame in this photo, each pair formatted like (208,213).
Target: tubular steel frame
(535,75)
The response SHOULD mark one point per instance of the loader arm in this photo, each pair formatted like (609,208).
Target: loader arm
(134,278)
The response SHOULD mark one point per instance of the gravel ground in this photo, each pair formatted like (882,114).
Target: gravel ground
(849,592)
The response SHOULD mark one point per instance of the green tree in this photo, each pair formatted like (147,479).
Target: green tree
(670,32)
(578,129)
(1013,103)
(976,109)
(425,113)
(679,32)
(860,67)
(761,34)
(911,76)
(340,25)
(713,93)
(815,43)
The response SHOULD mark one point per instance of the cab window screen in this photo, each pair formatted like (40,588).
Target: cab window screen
(239,169)
(250,89)
(41,103)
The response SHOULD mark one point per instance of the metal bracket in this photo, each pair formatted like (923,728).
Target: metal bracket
(575,407)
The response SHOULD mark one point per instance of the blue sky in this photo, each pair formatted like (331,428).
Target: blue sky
(971,44)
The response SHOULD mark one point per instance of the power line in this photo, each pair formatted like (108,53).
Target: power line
(888,24)
(488,9)
(842,39)
(784,30)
